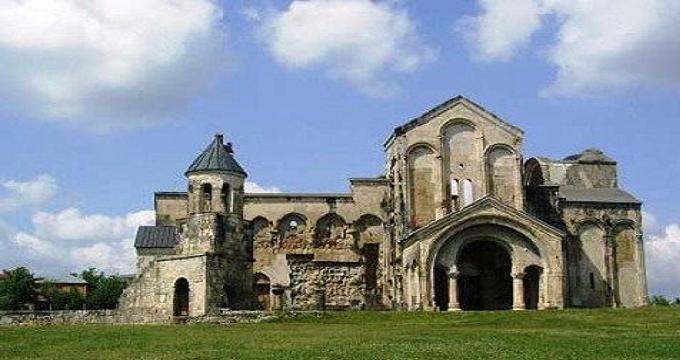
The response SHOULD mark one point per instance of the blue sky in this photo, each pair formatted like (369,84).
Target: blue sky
(307,112)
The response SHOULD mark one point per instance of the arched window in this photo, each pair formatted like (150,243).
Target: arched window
(455,194)
(468,192)
(227,198)
(291,225)
(206,198)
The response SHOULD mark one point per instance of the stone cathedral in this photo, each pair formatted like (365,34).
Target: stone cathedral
(458,220)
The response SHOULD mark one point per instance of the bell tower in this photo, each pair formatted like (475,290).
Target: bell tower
(216,181)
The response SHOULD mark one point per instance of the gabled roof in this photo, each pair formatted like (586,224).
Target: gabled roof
(448,104)
(476,207)
(216,157)
(156,237)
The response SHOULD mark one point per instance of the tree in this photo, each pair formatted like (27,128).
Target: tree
(61,299)
(103,291)
(17,289)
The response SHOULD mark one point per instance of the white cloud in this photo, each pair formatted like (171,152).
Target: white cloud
(663,261)
(34,192)
(36,246)
(72,224)
(503,27)
(649,222)
(353,40)
(107,63)
(251,187)
(70,240)
(599,44)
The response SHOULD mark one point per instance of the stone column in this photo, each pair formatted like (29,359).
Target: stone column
(416,283)
(454,304)
(518,291)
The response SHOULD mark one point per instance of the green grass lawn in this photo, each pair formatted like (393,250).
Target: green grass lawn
(573,334)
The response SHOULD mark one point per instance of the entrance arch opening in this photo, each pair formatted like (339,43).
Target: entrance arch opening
(181,299)
(484,280)
(532,277)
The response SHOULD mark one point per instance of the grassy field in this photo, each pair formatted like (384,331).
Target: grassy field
(573,334)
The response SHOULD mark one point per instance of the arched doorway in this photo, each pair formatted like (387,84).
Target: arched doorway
(532,277)
(262,289)
(181,299)
(484,280)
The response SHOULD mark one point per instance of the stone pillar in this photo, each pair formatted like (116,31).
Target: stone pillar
(416,291)
(518,291)
(454,304)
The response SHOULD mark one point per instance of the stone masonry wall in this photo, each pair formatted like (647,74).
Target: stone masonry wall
(330,285)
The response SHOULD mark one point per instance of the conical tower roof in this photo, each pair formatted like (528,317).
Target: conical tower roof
(216,157)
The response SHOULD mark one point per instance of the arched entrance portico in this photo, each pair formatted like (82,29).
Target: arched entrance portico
(181,298)
(483,268)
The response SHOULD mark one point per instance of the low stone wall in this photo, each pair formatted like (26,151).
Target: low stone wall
(82,317)
(58,317)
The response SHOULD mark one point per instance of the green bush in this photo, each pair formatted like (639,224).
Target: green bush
(660,300)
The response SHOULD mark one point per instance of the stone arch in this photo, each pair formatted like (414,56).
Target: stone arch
(181,297)
(330,231)
(513,238)
(291,229)
(534,173)
(370,229)
(261,229)
(421,175)
(262,290)
(502,169)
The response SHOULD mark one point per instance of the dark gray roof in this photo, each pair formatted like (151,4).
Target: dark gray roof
(156,237)
(597,195)
(216,157)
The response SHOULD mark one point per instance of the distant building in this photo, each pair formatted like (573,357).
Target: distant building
(458,221)
(66,283)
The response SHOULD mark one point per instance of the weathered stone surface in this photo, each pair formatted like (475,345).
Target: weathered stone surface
(559,232)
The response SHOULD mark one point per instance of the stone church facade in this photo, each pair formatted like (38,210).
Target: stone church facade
(457,221)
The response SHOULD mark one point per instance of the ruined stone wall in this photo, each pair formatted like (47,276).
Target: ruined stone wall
(331,229)
(330,285)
